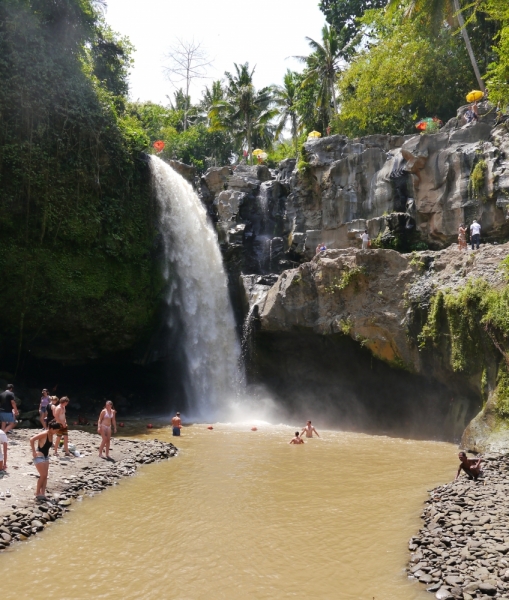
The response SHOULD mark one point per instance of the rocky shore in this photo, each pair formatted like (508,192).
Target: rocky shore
(69,479)
(463,549)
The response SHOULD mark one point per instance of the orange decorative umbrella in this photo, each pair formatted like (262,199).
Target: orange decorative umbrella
(159,145)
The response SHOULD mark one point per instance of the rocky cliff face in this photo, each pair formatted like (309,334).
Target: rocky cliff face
(410,192)
(378,299)
(344,329)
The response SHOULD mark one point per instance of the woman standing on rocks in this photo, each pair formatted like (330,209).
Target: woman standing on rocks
(462,237)
(104,424)
(41,456)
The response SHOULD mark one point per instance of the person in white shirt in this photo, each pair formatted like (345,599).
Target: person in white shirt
(365,240)
(475,234)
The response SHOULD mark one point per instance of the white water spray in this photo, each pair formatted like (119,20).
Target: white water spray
(198,289)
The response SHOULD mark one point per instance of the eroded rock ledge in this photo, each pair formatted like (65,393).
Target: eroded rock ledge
(462,550)
(21,517)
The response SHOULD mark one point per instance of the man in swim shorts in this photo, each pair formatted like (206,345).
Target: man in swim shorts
(308,429)
(471,466)
(176,424)
(60,418)
(297,439)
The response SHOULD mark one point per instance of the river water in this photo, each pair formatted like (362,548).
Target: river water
(243,515)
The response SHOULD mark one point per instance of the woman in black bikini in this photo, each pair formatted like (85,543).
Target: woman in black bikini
(41,458)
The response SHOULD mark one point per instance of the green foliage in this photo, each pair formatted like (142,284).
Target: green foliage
(344,16)
(416,261)
(502,392)
(404,74)
(285,99)
(348,276)
(246,113)
(498,70)
(477,181)
(322,68)
(466,320)
(76,222)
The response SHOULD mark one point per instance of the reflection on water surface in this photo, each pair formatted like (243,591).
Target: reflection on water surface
(243,515)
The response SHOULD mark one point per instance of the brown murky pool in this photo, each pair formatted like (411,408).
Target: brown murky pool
(243,515)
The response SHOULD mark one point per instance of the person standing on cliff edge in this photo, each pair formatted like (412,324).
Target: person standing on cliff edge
(475,234)
(176,424)
(308,429)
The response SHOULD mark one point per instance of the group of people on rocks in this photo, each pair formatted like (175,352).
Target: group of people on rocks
(475,235)
(52,416)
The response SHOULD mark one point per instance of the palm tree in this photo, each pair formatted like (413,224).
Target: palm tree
(285,98)
(323,66)
(245,112)
(438,11)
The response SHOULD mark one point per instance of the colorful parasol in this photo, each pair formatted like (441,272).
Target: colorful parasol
(475,95)
(314,134)
(159,145)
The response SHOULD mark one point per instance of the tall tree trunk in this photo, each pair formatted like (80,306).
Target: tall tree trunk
(333,90)
(294,132)
(464,33)
(248,135)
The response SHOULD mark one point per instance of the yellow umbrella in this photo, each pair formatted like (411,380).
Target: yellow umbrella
(314,134)
(257,152)
(475,95)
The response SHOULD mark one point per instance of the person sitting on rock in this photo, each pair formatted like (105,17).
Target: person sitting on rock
(323,247)
(297,439)
(471,466)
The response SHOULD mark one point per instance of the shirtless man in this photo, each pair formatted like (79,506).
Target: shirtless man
(297,439)
(176,424)
(471,466)
(309,430)
(59,414)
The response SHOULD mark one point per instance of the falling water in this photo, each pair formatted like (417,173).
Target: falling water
(198,290)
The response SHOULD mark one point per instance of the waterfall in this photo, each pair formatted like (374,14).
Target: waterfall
(198,291)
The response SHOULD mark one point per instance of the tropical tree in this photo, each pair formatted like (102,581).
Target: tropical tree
(285,99)
(344,16)
(405,72)
(245,112)
(323,66)
(437,11)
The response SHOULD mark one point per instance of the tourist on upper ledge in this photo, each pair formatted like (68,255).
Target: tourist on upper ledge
(365,240)
(475,234)
(462,237)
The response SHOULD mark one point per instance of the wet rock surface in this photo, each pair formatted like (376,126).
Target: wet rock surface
(70,479)
(462,550)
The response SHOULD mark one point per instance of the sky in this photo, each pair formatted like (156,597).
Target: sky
(261,33)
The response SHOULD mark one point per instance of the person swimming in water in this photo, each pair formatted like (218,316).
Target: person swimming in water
(471,466)
(104,425)
(308,429)
(297,439)
(176,423)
